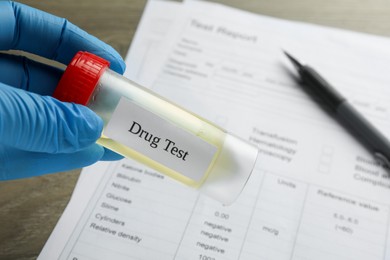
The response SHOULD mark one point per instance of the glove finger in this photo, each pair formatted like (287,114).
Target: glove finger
(15,164)
(110,155)
(23,73)
(26,28)
(43,124)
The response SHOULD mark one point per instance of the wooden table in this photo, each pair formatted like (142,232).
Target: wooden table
(30,208)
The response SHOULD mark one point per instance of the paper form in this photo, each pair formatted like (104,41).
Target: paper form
(315,192)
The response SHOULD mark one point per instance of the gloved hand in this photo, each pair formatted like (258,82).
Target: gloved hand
(39,134)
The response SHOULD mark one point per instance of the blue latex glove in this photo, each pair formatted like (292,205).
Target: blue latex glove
(39,134)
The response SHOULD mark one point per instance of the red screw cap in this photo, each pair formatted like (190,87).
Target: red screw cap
(80,78)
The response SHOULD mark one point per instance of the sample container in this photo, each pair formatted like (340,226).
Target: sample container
(144,126)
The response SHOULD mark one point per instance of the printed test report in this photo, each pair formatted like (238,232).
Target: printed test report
(315,192)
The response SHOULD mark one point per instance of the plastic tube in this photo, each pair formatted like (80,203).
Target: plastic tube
(141,125)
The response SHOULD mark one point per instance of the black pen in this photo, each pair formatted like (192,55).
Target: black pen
(374,140)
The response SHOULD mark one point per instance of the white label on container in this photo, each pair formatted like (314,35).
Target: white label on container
(162,141)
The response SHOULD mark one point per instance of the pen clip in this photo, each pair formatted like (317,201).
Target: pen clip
(382,158)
